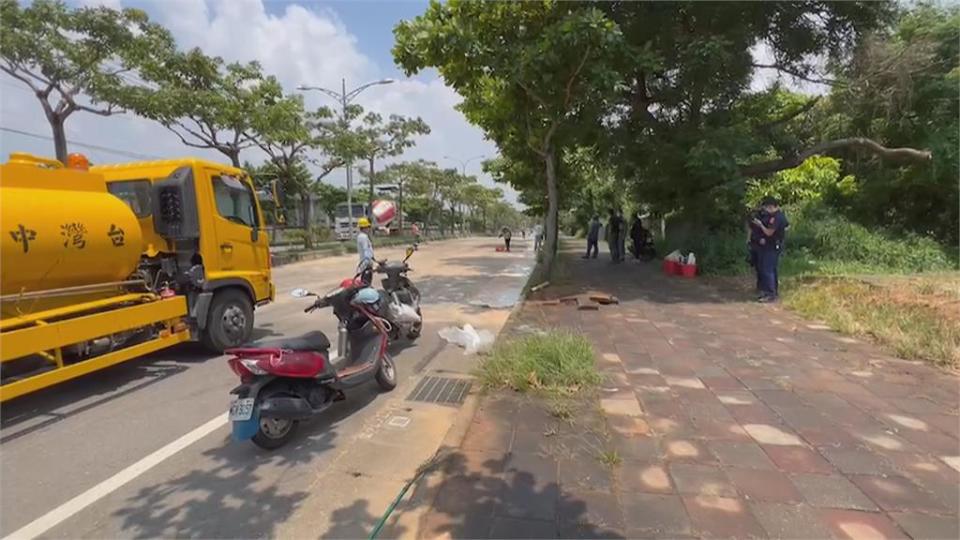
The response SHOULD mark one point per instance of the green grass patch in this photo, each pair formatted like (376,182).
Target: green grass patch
(916,317)
(610,458)
(557,363)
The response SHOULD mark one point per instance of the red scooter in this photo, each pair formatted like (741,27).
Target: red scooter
(286,381)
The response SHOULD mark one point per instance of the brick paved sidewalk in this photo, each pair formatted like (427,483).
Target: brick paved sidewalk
(719,418)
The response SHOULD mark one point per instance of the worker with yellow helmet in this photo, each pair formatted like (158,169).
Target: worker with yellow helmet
(365,250)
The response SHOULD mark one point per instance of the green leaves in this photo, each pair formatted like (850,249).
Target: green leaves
(61,53)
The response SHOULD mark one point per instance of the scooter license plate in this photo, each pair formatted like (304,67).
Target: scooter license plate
(241,409)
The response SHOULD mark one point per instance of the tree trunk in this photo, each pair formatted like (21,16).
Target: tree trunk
(234,155)
(553,199)
(400,206)
(306,211)
(59,138)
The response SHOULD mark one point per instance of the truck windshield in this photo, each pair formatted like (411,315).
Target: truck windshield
(358,210)
(235,200)
(136,193)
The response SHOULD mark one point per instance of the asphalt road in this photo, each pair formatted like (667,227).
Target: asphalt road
(143,449)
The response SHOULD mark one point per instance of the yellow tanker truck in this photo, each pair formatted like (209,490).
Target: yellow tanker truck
(105,264)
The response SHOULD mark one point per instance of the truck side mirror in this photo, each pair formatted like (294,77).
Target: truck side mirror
(254,234)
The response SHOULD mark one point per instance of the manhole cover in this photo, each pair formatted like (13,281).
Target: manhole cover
(441,390)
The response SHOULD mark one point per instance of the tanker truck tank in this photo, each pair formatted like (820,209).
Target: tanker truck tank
(62,231)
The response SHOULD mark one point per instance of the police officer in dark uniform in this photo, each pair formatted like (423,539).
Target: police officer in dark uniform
(771,227)
(754,234)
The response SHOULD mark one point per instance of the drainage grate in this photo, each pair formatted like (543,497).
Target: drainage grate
(443,390)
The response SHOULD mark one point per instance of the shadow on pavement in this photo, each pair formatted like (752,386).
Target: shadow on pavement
(630,280)
(237,490)
(519,473)
(101,387)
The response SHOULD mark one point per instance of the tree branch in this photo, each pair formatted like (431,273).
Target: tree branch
(16,75)
(183,139)
(826,148)
(568,91)
(797,74)
(109,111)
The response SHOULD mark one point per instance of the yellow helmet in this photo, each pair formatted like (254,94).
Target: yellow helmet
(363,222)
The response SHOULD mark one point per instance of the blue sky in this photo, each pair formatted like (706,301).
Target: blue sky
(301,42)
(372,21)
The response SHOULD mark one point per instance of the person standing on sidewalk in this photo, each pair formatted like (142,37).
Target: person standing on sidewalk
(622,237)
(772,225)
(537,237)
(754,235)
(506,234)
(593,237)
(614,226)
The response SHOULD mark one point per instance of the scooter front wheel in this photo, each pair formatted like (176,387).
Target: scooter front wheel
(416,329)
(387,374)
(275,432)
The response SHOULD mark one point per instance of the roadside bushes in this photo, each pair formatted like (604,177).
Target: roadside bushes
(820,241)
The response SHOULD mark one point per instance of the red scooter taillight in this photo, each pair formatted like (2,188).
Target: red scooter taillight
(237,367)
(247,366)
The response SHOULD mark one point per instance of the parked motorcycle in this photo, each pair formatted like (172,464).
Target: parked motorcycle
(286,381)
(402,299)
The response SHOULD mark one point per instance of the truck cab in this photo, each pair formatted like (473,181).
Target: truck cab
(202,236)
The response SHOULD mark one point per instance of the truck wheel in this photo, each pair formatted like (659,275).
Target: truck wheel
(230,322)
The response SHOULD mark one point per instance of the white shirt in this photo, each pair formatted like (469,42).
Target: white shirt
(364,247)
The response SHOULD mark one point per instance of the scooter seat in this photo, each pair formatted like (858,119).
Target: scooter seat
(311,341)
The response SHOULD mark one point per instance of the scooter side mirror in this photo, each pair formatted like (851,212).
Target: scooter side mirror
(410,250)
(300,293)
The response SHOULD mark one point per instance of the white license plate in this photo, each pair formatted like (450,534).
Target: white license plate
(241,409)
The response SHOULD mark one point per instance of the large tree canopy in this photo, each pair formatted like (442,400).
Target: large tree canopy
(77,60)
(663,94)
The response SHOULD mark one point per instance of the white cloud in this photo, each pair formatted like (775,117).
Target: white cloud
(303,44)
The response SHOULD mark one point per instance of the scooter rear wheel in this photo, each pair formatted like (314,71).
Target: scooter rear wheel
(275,432)
(387,374)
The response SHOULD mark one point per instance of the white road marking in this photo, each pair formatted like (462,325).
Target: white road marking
(66,510)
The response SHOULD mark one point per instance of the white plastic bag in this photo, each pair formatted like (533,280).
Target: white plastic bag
(405,314)
(469,338)
(674,256)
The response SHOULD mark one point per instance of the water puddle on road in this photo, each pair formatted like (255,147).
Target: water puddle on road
(506,295)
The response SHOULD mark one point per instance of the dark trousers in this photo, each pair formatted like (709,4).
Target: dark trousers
(507,242)
(768,277)
(755,263)
(592,246)
(614,247)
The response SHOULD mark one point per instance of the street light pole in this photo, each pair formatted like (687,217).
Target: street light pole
(344,98)
(463,168)
(463,163)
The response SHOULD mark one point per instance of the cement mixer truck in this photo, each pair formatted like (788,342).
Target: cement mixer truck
(106,264)
(382,214)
